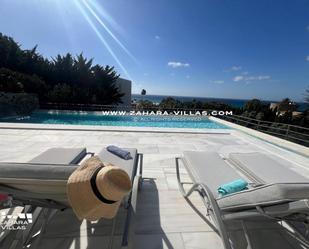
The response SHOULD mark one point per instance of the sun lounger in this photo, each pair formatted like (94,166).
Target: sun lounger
(41,183)
(33,186)
(257,165)
(276,193)
(134,168)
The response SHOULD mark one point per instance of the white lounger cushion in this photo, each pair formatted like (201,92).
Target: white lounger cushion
(282,184)
(44,176)
(265,195)
(52,164)
(60,156)
(126,165)
(33,171)
(266,169)
(42,180)
(209,168)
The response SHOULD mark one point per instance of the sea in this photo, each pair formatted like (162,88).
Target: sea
(237,103)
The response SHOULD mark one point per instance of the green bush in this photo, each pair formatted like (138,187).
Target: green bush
(254,105)
(15,82)
(61,93)
(146,105)
(170,103)
(12,104)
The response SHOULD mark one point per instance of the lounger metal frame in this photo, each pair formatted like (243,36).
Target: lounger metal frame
(129,229)
(220,217)
(49,208)
(207,198)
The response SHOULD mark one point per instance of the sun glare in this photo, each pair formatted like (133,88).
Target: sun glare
(88,13)
(100,21)
(104,13)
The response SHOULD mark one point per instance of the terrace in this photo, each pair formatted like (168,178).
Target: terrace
(164,218)
(62,75)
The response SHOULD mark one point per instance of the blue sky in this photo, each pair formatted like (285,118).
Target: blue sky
(204,48)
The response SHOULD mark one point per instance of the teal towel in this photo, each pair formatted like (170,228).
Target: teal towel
(232,187)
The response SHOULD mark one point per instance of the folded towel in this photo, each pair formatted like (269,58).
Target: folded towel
(232,187)
(124,154)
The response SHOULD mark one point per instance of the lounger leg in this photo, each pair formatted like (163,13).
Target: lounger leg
(111,240)
(299,236)
(5,233)
(129,231)
(208,199)
(185,193)
(35,217)
(16,237)
(141,161)
(33,242)
(244,227)
(23,237)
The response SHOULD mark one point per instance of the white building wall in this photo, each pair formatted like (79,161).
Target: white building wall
(125,86)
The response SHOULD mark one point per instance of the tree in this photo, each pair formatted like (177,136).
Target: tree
(170,103)
(62,93)
(63,69)
(104,88)
(29,71)
(82,69)
(10,52)
(13,104)
(253,105)
(193,104)
(143,93)
(286,105)
(15,82)
(145,105)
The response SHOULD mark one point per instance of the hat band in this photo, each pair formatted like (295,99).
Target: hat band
(96,190)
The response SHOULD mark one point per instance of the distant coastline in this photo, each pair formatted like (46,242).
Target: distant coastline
(237,103)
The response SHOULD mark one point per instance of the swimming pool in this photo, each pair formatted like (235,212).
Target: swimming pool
(43,117)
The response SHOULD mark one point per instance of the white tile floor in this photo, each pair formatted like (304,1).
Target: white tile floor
(165,219)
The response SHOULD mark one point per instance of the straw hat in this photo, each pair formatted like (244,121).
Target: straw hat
(95,191)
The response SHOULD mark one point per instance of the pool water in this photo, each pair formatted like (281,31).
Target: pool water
(121,120)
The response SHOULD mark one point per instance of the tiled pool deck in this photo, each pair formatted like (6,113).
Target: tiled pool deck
(164,218)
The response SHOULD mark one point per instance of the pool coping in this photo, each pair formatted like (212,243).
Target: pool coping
(65,127)
(285,144)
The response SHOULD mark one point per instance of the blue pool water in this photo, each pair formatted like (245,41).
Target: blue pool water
(112,120)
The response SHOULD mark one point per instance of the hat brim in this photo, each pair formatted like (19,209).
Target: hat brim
(81,197)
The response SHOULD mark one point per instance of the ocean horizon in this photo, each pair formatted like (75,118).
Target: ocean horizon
(237,103)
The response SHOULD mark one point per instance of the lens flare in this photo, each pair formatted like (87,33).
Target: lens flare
(101,38)
(105,15)
(94,14)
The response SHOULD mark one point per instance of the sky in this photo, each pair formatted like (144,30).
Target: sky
(240,49)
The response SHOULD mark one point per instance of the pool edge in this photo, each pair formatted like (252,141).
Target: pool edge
(64,127)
